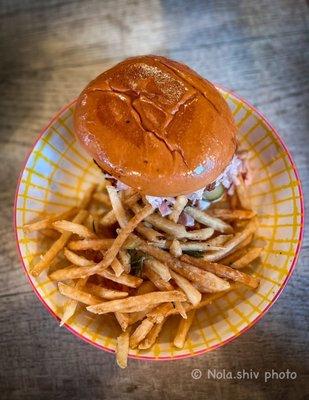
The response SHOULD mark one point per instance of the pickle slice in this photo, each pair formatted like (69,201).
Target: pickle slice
(215,194)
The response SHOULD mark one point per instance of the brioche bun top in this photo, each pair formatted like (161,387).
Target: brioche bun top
(156,125)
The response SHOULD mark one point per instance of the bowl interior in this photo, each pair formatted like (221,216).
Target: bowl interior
(57,173)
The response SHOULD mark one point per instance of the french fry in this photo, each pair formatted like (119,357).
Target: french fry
(223,271)
(233,243)
(73,227)
(50,233)
(207,299)
(137,309)
(165,225)
(102,185)
(108,219)
(208,220)
(193,295)
(98,213)
(158,314)
(78,295)
(118,209)
(125,260)
(146,287)
(239,225)
(128,193)
(206,294)
(117,267)
(218,240)
(130,201)
(102,198)
(150,234)
(56,247)
(162,285)
(176,230)
(123,320)
(151,337)
(200,234)
(180,309)
(73,272)
(132,301)
(90,223)
(93,244)
(47,222)
(235,255)
(237,252)
(210,281)
(161,269)
(122,349)
(231,215)
(193,274)
(140,333)
(123,279)
(155,278)
(104,293)
(181,202)
(175,248)
(138,315)
(242,194)
(87,196)
(188,245)
(233,200)
(76,259)
(71,305)
(246,259)
(201,288)
(112,252)
(183,329)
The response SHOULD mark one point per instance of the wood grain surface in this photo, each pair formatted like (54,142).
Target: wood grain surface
(49,51)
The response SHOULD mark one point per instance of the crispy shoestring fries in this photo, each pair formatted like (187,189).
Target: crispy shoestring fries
(142,267)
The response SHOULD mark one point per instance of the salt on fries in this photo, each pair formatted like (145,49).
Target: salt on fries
(154,267)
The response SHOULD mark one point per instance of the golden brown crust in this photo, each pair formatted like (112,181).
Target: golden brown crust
(156,125)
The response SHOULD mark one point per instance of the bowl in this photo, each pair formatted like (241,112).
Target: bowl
(56,173)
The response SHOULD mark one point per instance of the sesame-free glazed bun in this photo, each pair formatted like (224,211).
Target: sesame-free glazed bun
(156,125)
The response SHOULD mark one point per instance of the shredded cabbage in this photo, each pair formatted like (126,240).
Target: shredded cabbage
(228,178)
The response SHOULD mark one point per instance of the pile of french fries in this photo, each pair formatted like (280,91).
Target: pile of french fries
(116,254)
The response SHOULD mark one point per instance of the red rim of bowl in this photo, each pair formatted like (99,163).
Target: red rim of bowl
(200,352)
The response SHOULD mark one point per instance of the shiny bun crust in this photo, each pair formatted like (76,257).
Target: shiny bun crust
(156,125)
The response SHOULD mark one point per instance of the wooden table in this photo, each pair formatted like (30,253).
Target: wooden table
(49,51)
